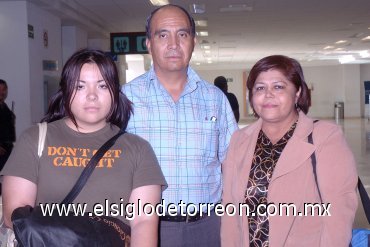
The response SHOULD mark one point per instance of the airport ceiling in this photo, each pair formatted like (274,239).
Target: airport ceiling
(240,32)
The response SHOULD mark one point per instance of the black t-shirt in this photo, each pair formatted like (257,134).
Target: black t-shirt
(7,124)
(233,101)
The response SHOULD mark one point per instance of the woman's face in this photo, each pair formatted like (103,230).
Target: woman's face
(274,97)
(92,101)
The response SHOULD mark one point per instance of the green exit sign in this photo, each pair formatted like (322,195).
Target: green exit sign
(128,43)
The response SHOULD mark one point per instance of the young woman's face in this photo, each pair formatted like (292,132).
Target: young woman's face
(91,102)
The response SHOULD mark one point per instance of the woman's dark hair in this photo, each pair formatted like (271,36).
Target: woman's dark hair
(290,68)
(149,19)
(60,103)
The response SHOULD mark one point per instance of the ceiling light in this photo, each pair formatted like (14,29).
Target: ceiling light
(202,33)
(347,59)
(341,41)
(201,23)
(364,54)
(159,2)
(209,62)
(197,63)
(207,51)
(366,38)
(328,47)
(205,47)
(197,8)
(339,49)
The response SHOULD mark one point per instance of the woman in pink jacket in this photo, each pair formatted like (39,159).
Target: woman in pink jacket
(273,193)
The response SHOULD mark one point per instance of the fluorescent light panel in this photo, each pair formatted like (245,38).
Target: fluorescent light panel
(328,47)
(159,2)
(347,59)
(364,54)
(202,33)
(201,23)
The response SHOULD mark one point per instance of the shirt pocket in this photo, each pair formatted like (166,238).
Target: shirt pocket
(208,138)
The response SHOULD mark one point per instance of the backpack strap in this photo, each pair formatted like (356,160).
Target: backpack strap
(43,127)
(313,161)
(362,191)
(88,170)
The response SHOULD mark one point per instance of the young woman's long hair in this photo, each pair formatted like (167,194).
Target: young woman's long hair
(60,103)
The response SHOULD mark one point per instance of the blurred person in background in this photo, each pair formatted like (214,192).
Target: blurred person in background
(221,83)
(7,126)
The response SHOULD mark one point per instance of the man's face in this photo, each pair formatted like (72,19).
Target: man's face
(171,43)
(3,93)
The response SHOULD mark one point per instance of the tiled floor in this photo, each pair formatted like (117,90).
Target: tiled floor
(357,132)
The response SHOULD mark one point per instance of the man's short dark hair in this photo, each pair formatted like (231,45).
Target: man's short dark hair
(4,83)
(220,82)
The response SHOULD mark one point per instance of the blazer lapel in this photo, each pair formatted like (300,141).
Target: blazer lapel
(295,153)
(246,148)
(297,150)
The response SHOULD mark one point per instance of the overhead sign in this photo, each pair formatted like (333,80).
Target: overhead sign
(128,43)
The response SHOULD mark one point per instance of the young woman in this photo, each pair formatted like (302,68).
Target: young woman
(87,110)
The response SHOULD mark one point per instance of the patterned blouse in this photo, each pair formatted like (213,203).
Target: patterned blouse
(266,155)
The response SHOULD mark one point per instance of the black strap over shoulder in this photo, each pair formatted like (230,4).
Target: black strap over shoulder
(364,199)
(313,159)
(86,173)
(363,194)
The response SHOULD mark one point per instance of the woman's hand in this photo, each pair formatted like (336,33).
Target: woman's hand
(16,192)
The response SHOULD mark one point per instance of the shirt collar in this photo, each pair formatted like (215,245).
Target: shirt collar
(191,85)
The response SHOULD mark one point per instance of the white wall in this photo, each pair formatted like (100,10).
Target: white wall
(14,59)
(331,84)
(73,38)
(39,52)
(327,88)
(100,44)
(21,57)
(135,68)
(352,90)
